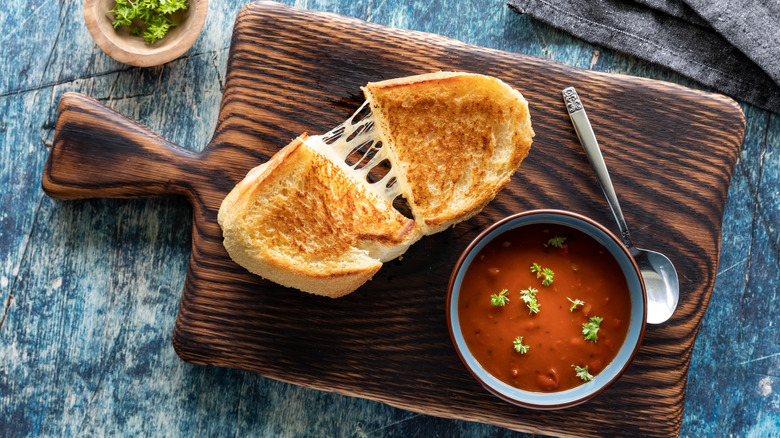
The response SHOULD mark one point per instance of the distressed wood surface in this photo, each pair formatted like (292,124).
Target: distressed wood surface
(91,288)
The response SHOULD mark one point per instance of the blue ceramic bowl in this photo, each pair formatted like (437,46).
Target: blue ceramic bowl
(613,371)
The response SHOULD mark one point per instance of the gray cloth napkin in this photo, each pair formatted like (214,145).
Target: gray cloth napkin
(731,46)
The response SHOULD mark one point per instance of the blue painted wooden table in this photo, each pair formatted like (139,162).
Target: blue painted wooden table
(90,289)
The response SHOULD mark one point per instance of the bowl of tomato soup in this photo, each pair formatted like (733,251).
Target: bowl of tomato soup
(546,308)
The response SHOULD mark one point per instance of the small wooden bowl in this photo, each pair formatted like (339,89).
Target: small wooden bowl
(124,47)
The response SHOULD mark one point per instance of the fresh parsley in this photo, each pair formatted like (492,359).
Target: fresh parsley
(582,373)
(150,17)
(556,241)
(519,347)
(500,299)
(548,276)
(540,272)
(590,329)
(575,302)
(529,296)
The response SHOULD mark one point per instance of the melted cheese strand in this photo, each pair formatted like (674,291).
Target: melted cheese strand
(355,136)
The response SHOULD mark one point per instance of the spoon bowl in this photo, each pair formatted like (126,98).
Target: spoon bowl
(658,273)
(661,283)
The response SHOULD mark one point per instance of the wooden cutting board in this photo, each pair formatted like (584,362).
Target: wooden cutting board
(671,151)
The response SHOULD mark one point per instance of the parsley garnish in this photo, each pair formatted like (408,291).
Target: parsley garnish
(500,299)
(583,373)
(548,276)
(529,296)
(556,241)
(547,273)
(519,347)
(154,15)
(590,329)
(575,302)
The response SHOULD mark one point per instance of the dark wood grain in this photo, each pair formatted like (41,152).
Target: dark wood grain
(671,151)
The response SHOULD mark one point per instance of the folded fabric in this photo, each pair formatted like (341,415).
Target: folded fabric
(731,46)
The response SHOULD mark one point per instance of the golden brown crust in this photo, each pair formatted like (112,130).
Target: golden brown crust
(470,131)
(300,221)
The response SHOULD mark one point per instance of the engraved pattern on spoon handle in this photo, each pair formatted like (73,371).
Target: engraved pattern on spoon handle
(588,140)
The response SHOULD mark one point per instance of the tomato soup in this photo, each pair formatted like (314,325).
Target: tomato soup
(544,307)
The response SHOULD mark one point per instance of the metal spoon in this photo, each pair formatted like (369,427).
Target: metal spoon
(658,273)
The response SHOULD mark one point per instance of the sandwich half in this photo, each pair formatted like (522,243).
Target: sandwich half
(454,138)
(299,220)
(313,219)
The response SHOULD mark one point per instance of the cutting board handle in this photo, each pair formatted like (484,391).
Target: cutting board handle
(99,153)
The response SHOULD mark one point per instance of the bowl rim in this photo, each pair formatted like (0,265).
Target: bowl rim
(597,388)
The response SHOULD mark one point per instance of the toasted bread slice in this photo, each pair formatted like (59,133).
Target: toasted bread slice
(454,138)
(299,220)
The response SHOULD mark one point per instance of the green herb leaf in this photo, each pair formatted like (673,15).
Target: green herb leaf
(590,329)
(519,347)
(500,299)
(123,14)
(575,302)
(529,296)
(156,30)
(171,6)
(556,241)
(145,12)
(154,15)
(548,276)
(547,273)
(583,373)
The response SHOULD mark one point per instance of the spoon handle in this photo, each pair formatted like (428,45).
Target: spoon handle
(588,140)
